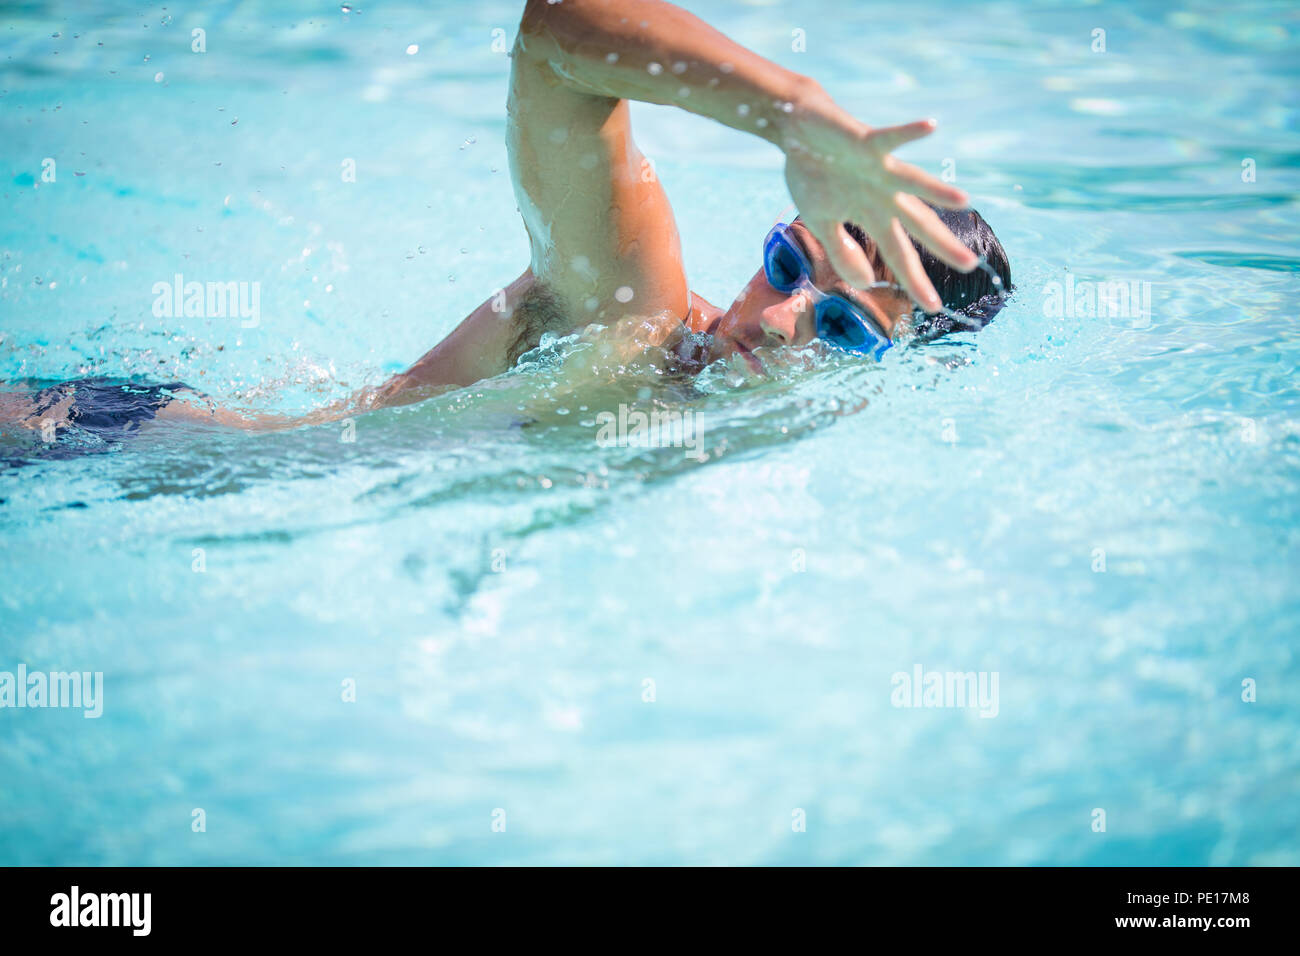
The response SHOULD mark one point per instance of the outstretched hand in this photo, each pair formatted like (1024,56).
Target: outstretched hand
(839,170)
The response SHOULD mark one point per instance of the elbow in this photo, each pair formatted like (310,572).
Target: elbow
(541,15)
(562,24)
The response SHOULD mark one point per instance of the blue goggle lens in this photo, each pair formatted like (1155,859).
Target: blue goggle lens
(784,267)
(840,327)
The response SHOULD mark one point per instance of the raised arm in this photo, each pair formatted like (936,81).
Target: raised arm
(604,244)
(838,169)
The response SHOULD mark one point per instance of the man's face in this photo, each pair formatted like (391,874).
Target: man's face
(762,317)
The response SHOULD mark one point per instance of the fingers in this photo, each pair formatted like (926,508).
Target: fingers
(901,256)
(913,180)
(889,138)
(848,258)
(920,221)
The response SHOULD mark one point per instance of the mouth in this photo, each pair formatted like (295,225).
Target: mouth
(748,355)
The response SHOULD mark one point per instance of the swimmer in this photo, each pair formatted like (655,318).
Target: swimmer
(879,247)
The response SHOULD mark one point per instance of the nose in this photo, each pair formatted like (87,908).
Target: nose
(781,320)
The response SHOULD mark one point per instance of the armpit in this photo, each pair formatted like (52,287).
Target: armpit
(539,310)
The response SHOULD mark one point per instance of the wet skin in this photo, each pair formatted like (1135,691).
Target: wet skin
(762,317)
(603,241)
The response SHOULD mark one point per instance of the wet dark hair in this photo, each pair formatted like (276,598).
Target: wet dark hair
(972,296)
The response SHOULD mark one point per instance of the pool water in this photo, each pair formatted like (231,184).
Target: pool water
(466,632)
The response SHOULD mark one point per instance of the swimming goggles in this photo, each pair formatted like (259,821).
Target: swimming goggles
(838,321)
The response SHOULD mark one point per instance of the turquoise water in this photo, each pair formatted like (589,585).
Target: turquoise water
(1103,510)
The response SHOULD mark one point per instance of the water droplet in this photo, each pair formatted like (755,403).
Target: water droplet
(624,293)
(611,57)
(654,69)
(725,67)
(743,109)
(413,49)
